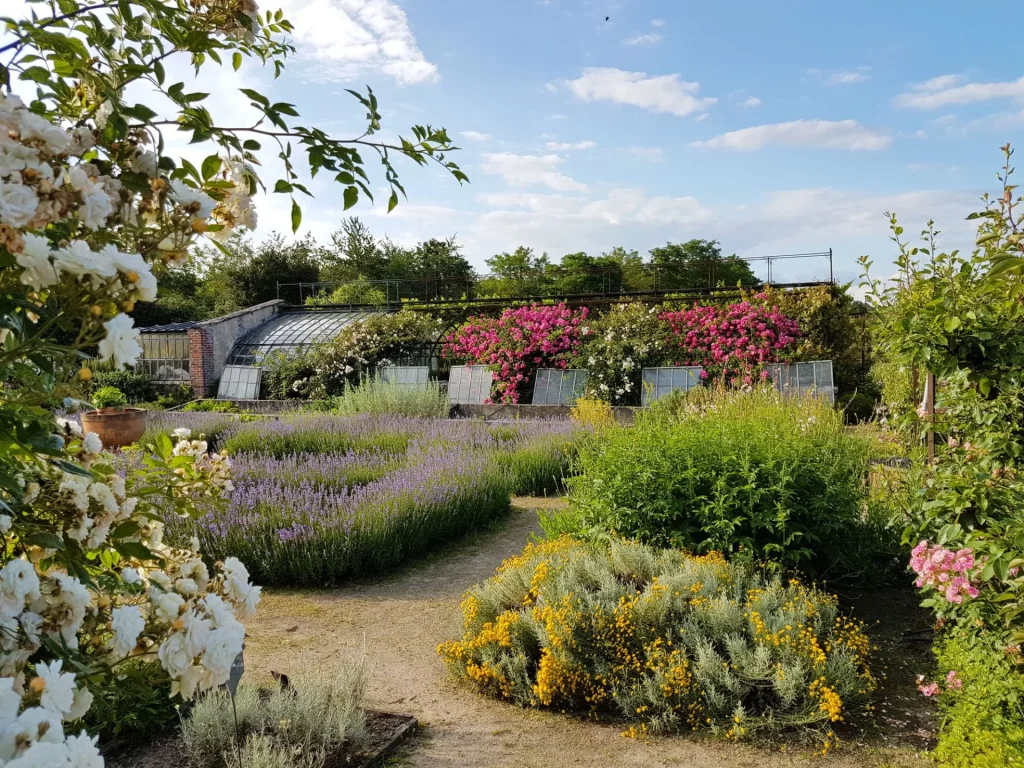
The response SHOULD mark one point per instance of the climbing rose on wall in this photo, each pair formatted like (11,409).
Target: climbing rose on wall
(730,342)
(517,343)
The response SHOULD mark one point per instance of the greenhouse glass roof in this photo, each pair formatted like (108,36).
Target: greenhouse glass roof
(291,332)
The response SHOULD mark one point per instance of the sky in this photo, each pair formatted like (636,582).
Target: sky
(782,127)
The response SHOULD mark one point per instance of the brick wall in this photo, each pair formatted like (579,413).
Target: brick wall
(212,340)
(201,363)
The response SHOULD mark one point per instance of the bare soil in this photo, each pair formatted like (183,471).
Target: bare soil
(395,624)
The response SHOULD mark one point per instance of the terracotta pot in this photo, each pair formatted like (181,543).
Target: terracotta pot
(116,428)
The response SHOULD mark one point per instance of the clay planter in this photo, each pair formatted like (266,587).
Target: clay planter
(116,428)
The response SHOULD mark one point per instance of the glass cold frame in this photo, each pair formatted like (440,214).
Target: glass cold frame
(469,384)
(658,382)
(554,386)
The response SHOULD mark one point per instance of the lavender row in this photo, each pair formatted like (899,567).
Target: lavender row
(310,534)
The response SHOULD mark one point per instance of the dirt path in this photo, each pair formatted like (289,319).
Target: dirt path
(395,626)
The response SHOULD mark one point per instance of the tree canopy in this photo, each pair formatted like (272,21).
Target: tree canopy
(356,266)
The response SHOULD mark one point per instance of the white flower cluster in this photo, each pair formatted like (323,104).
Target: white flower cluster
(179,613)
(43,182)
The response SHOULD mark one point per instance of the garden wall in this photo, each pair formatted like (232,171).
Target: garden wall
(212,340)
(622,414)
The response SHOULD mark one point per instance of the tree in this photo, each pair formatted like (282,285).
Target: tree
(520,273)
(442,270)
(579,273)
(179,298)
(354,254)
(243,274)
(635,274)
(699,264)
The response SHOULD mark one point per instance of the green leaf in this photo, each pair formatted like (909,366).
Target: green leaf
(211,165)
(127,528)
(256,96)
(73,469)
(251,144)
(296,216)
(133,549)
(951,324)
(36,75)
(282,186)
(986,238)
(236,60)
(985,386)
(351,197)
(45,539)
(393,201)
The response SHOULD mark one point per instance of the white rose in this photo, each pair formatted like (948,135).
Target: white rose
(173,656)
(58,687)
(127,624)
(18,204)
(167,605)
(78,259)
(91,443)
(121,344)
(199,204)
(34,127)
(34,259)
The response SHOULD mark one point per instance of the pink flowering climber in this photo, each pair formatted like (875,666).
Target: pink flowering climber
(517,343)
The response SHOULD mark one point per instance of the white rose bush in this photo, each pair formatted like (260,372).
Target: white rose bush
(92,212)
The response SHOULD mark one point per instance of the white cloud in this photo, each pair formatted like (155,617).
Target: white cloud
(657,23)
(945,90)
(555,146)
(851,221)
(658,93)
(818,134)
(649,39)
(753,101)
(345,39)
(650,154)
(551,87)
(702,117)
(476,136)
(531,170)
(848,78)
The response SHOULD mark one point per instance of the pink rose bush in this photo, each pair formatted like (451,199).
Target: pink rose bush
(731,341)
(945,571)
(517,343)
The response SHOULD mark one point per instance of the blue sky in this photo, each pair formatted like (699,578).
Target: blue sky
(773,127)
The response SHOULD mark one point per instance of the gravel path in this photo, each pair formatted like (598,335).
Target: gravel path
(395,625)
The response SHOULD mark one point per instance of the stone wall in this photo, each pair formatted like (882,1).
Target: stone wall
(211,342)
(486,412)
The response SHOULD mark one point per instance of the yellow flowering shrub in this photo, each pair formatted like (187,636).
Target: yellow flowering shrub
(592,413)
(667,640)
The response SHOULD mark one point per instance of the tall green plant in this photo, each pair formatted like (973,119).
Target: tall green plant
(754,475)
(960,317)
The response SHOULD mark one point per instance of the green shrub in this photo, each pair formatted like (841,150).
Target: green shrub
(756,475)
(286,374)
(982,721)
(109,397)
(380,398)
(665,640)
(137,387)
(175,396)
(305,726)
(137,705)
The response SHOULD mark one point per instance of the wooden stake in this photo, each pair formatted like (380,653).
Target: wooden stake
(929,411)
